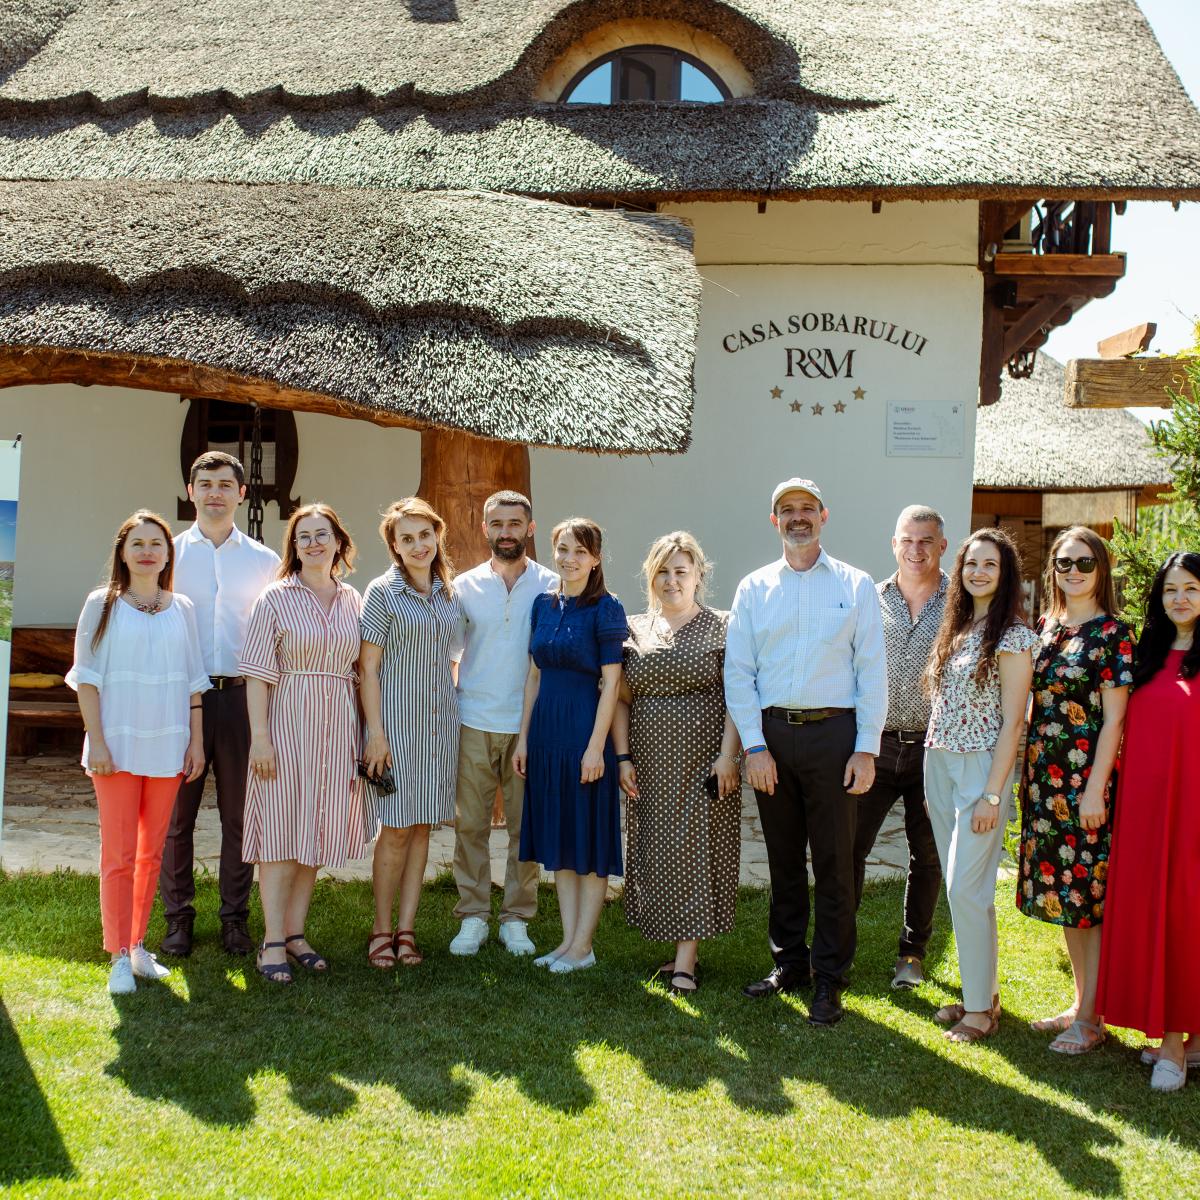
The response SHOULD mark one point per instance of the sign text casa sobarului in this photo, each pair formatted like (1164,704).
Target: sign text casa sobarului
(822,362)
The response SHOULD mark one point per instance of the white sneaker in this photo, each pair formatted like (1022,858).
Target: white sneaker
(145,965)
(560,966)
(471,935)
(1167,1077)
(120,977)
(514,937)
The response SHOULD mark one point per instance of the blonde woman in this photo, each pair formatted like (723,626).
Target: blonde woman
(411,641)
(1082,672)
(677,751)
(303,796)
(139,675)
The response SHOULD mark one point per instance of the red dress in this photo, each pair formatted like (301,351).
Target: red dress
(1149,966)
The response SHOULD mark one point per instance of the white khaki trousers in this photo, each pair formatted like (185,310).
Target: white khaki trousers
(953,784)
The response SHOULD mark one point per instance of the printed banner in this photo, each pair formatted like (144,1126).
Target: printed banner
(10,476)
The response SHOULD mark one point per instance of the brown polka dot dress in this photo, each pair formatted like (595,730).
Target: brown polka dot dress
(682,847)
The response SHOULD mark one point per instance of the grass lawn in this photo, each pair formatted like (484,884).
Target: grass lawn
(486,1077)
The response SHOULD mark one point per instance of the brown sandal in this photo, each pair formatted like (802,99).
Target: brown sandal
(952,1014)
(405,942)
(965,1034)
(381,951)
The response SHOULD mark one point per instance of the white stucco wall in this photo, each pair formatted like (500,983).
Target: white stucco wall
(912,265)
(92,455)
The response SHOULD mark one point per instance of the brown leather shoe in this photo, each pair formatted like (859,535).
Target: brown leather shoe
(178,941)
(235,937)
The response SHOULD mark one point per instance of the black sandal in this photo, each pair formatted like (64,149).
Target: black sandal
(275,972)
(667,970)
(310,960)
(683,991)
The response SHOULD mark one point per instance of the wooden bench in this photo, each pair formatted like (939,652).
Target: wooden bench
(49,649)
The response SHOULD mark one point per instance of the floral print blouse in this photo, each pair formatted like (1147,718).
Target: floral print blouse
(966,716)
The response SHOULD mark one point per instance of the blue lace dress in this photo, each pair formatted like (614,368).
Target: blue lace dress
(568,825)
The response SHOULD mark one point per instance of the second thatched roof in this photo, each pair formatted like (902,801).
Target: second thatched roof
(511,318)
(1030,439)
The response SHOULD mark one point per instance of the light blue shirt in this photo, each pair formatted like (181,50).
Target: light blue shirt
(491,676)
(806,639)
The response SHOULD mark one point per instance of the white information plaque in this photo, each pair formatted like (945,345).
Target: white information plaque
(925,428)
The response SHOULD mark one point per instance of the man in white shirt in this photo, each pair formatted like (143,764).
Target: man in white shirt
(496,598)
(806,685)
(222,572)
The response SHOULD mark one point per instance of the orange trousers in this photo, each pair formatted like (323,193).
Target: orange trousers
(135,811)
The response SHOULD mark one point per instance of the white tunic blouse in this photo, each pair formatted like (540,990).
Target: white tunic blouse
(146,668)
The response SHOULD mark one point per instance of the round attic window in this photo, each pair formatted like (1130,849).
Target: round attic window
(646,73)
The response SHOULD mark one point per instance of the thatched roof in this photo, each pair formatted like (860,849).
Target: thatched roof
(517,319)
(936,98)
(1030,439)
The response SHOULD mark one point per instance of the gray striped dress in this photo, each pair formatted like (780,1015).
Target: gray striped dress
(420,636)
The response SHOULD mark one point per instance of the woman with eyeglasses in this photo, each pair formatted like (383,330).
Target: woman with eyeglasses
(1149,968)
(304,806)
(979,673)
(1081,675)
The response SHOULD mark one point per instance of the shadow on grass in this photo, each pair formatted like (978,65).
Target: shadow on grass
(425,1032)
(30,1145)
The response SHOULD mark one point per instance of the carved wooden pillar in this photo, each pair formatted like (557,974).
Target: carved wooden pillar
(458,473)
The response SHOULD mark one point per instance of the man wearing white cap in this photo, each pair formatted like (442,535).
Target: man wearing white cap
(806,685)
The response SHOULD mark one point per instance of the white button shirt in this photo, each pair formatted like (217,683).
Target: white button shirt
(491,676)
(806,639)
(222,583)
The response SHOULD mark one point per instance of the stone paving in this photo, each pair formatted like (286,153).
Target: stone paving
(50,824)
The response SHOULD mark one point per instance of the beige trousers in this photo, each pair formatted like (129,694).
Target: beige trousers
(953,784)
(485,760)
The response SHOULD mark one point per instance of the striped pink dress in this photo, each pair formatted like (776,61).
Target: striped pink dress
(312,811)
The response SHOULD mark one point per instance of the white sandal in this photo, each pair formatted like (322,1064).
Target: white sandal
(1079,1037)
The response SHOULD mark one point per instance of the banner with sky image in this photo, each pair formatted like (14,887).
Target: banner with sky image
(10,476)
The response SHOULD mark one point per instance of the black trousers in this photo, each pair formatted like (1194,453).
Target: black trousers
(227,753)
(900,775)
(811,808)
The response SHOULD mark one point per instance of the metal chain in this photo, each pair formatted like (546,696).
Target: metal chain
(254,516)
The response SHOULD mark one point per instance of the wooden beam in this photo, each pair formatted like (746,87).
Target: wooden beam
(1123,382)
(991,231)
(21,365)
(1129,341)
(458,473)
(1034,287)
(1030,322)
(991,352)
(1110,265)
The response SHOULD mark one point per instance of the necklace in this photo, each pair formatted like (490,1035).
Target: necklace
(152,607)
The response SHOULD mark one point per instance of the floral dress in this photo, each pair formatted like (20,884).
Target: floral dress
(1064,866)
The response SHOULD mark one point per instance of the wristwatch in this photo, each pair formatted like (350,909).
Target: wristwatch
(992,798)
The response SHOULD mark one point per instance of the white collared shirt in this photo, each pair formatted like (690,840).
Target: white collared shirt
(806,639)
(491,677)
(222,583)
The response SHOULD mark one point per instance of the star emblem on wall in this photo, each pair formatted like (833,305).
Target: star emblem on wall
(840,406)
(818,409)
(776,392)
(858,393)
(797,406)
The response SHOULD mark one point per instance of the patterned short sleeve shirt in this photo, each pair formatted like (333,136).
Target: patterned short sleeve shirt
(908,644)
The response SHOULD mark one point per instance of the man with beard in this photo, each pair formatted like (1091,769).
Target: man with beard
(496,597)
(221,571)
(806,685)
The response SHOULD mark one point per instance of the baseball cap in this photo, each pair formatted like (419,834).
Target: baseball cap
(795,484)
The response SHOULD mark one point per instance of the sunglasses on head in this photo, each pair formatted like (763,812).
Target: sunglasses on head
(1085,563)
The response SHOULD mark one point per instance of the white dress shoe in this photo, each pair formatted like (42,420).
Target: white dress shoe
(470,936)
(1167,1077)
(120,977)
(1150,1056)
(145,965)
(514,937)
(545,960)
(560,966)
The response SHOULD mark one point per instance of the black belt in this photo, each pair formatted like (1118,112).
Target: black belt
(221,682)
(804,716)
(907,737)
